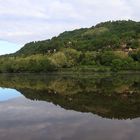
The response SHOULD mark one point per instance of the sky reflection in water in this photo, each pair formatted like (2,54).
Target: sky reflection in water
(25,119)
(7,93)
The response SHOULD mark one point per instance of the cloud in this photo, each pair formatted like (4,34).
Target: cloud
(27,20)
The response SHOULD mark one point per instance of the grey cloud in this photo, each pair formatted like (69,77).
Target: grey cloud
(27,20)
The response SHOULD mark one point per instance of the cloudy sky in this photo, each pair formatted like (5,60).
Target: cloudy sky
(29,20)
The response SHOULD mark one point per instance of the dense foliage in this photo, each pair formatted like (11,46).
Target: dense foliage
(110,45)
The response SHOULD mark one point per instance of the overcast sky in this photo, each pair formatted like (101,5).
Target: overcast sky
(22,21)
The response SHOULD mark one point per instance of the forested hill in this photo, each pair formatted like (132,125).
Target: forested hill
(104,36)
(108,46)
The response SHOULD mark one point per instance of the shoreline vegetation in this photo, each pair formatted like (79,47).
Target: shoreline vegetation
(112,46)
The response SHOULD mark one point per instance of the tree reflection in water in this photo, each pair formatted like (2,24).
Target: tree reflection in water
(110,96)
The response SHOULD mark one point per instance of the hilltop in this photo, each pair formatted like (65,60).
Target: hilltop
(104,36)
(108,46)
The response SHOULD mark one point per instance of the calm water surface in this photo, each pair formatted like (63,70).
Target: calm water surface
(70,107)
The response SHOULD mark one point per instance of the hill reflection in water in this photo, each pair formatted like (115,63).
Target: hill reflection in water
(110,96)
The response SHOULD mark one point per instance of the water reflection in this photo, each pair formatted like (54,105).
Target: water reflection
(110,96)
(28,120)
(7,94)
